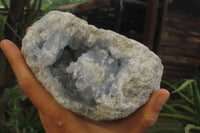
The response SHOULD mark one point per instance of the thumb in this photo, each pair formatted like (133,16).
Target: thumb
(149,112)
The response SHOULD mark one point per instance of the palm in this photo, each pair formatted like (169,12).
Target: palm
(80,124)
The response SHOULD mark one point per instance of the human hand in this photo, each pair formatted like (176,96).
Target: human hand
(57,119)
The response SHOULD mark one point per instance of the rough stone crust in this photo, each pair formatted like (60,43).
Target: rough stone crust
(93,72)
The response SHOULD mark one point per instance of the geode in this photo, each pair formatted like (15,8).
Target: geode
(93,72)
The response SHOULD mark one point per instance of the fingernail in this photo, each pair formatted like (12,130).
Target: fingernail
(1,45)
(161,101)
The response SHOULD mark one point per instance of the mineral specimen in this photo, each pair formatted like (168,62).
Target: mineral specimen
(93,72)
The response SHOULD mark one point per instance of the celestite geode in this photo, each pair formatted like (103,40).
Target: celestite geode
(93,72)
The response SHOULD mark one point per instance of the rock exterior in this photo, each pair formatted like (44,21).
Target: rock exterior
(93,72)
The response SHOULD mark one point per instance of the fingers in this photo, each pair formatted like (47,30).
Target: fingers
(27,81)
(27,29)
(151,109)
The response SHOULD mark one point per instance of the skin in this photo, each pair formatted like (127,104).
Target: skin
(56,119)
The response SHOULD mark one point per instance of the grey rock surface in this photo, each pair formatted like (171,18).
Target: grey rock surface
(93,72)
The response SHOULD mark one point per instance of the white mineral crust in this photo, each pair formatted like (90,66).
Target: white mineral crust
(93,72)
